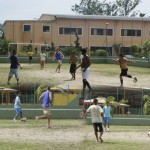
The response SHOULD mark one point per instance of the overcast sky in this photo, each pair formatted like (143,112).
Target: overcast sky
(33,9)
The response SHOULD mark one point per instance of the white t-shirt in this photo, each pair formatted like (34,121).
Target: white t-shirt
(42,56)
(95,111)
(81,57)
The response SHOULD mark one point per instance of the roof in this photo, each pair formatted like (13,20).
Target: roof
(96,17)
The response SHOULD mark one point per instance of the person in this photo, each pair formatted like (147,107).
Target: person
(81,57)
(73,61)
(96,115)
(42,59)
(124,69)
(30,54)
(85,64)
(107,112)
(59,56)
(14,67)
(46,99)
(17,107)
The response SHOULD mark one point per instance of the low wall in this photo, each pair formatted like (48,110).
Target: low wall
(106,60)
(132,120)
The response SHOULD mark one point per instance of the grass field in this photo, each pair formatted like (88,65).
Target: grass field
(69,135)
(100,74)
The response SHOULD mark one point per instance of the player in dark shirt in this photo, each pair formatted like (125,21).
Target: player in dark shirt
(14,67)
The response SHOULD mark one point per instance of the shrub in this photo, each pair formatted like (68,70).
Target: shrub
(101,52)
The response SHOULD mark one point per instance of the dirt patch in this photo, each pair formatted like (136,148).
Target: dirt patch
(69,131)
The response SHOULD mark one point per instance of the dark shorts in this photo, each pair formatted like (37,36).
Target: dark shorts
(30,57)
(73,68)
(98,127)
(124,72)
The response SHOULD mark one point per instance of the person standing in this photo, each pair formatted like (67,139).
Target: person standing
(17,107)
(85,64)
(107,112)
(96,115)
(73,61)
(59,56)
(30,54)
(14,67)
(124,69)
(46,99)
(42,59)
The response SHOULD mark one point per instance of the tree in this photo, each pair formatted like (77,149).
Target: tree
(116,8)
(146,99)
(134,49)
(146,49)
(77,44)
(4,46)
(126,7)
(89,7)
(117,47)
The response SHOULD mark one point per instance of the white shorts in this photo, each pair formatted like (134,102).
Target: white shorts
(46,111)
(59,62)
(85,74)
(15,72)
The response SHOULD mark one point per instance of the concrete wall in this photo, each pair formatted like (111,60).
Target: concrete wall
(107,60)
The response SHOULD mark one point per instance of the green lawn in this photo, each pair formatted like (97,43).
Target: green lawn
(69,135)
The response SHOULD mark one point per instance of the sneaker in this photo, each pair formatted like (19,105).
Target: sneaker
(135,79)
(36,118)
(108,130)
(14,120)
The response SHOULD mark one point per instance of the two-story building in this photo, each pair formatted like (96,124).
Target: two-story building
(94,31)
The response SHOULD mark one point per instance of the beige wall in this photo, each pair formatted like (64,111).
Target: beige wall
(14,31)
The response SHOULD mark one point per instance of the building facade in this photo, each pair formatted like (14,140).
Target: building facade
(95,32)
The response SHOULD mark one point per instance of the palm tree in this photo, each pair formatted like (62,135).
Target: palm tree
(146,99)
(113,104)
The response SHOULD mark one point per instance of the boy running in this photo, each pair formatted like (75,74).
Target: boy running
(124,69)
(58,55)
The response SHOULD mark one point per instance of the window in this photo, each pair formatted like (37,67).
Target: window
(46,28)
(27,28)
(99,31)
(130,32)
(69,31)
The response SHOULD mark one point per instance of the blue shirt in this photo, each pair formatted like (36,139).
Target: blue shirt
(45,99)
(58,56)
(14,62)
(107,110)
(17,102)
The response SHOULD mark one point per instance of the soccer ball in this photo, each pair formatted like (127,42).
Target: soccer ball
(81,114)
(149,134)
(24,119)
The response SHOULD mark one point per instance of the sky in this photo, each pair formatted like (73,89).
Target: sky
(33,9)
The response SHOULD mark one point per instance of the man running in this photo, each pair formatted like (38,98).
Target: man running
(85,64)
(124,69)
(59,56)
(96,115)
(46,99)
(17,107)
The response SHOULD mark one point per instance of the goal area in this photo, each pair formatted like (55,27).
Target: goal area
(24,48)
